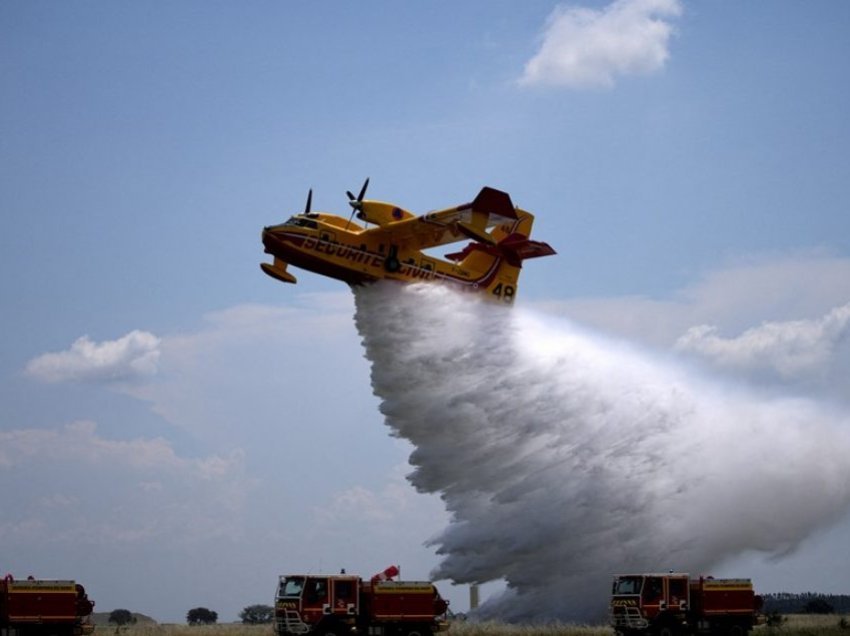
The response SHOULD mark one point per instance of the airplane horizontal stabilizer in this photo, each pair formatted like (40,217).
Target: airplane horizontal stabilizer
(520,248)
(514,249)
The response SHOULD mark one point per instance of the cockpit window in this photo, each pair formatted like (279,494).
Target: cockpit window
(628,585)
(291,586)
(300,221)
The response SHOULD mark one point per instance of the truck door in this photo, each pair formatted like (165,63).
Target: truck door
(344,595)
(652,596)
(677,593)
(316,597)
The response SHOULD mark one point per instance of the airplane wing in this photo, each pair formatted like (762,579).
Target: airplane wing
(471,220)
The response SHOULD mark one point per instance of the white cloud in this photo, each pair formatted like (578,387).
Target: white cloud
(358,501)
(270,357)
(366,528)
(780,293)
(788,348)
(734,298)
(61,469)
(131,356)
(587,48)
(393,501)
(117,514)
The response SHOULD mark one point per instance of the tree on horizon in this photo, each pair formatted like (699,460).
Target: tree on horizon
(257,614)
(201,616)
(121,617)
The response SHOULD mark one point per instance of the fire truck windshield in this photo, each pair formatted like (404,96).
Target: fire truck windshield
(628,585)
(291,586)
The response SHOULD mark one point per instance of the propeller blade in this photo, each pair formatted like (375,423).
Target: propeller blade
(363,190)
(309,202)
(350,196)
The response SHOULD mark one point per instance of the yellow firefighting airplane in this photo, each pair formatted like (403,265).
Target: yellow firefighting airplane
(337,247)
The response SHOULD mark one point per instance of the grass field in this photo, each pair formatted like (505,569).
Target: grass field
(794,625)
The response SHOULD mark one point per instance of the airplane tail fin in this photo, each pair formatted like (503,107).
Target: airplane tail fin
(489,204)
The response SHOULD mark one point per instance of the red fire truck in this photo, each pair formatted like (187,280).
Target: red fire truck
(34,607)
(673,603)
(333,605)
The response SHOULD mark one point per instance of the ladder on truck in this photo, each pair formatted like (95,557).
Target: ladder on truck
(293,624)
(629,618)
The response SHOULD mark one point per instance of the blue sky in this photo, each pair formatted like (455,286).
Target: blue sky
(691,169)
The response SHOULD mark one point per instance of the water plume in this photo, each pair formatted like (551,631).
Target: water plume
(564,457)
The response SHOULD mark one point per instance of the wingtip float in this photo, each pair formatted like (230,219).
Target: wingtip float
(391,248)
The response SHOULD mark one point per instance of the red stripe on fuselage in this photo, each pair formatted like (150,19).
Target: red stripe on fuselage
(295,248)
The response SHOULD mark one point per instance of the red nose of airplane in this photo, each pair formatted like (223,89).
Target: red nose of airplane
(270,240)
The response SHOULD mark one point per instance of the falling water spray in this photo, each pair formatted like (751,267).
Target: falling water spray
(564,458)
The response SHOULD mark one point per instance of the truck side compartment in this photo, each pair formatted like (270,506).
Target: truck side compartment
(35,607)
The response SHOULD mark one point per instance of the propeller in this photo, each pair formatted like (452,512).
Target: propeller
(356,203)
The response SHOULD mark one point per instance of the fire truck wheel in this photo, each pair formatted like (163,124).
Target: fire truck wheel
(666,630)
(737,630)
(333,629)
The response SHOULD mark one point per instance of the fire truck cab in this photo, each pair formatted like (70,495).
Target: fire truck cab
(638,600)
(673,603)
(303,601)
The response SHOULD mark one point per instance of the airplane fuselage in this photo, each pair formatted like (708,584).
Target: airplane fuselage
(322,243)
